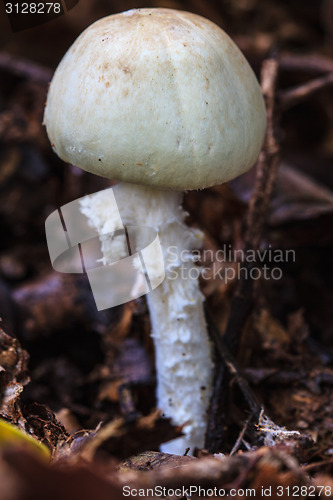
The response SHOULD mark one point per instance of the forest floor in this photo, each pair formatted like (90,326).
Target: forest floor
(83,382)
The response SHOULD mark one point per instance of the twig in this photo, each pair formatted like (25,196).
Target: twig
(290,97)
(271,432)
(24,69)
(242,301)
(268,161)
(315,63)
(241,436)
(267,166)
(226,356)
(317,465)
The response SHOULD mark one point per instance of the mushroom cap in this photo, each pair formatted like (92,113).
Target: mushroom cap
(158,97)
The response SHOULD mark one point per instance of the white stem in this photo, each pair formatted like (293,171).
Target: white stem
(183,353)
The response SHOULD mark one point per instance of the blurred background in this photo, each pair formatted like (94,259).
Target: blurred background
(255,25)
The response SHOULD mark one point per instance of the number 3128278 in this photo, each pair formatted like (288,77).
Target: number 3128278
(33,8)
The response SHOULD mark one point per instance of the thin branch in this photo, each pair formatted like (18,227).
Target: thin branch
(315,63)
(226,356)
(241,436)
(242,302)
(268,161)
(290,97)
(267,166)
(317,465)
(24,69)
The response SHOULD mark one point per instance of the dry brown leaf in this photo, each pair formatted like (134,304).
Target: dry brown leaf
(122,439)
(151,460)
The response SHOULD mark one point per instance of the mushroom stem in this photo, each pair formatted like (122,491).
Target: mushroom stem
(183,354)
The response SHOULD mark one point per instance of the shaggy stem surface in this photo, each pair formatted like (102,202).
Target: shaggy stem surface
(184,365)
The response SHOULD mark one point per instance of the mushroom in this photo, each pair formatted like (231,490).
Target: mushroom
(163,101)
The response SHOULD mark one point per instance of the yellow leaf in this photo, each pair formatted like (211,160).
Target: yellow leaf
(10,435)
